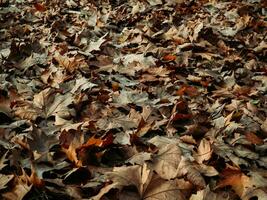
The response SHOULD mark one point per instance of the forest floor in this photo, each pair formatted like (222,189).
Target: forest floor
(138,99)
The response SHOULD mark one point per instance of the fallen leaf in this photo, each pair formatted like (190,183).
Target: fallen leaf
(180,116)
(204,151)
(254,139)
(4,179)
(95,45)
(207,194)
(40,7)
(3,160)
(237,181)
(169,57)
(167,160)
(187,169)
(149,185)
(161,189)
(140,158)
(70,64)
(22,187)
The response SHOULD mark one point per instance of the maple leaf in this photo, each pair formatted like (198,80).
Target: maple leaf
(149,185)
(70,149)
(171,163)
(40,141)
(170,92)
(46,103)
(167,160)
(95,45)
(70,64)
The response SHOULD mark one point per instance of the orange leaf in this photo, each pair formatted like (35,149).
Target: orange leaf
(35,180)
(70,147)
(254,139)
(169,57)
(229,171)
(178,41)
(205,83)
(40,7)
(234,179)
(72,154)
(115,86)
(98,141)
(232,176)
(181,91)
(93,141)
(191,91)
(187,89)
(237,181)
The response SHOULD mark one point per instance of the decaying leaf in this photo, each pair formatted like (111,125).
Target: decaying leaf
(207,194)
(137,99)
(22,187)
(185,168)
(159,188)
(4,179)
(204,151)
(149,185)
(167,160)
(237,181)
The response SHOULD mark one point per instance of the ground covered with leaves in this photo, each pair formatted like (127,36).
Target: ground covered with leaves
(138,99)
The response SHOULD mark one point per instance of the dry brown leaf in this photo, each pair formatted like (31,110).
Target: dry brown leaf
(162,189)
(187,169)
(140,158)
(206,194)
(133,175)
(114,74)
(207,170)
(149,185)
(167,160)
(188,139)
(27,112)
(258,193)
(70,64)
(70,151)
(3,159)
(204,151)
(22,187)
(4,179)
(125,176)
(161,141)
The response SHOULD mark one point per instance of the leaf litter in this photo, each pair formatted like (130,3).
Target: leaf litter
(134,99)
